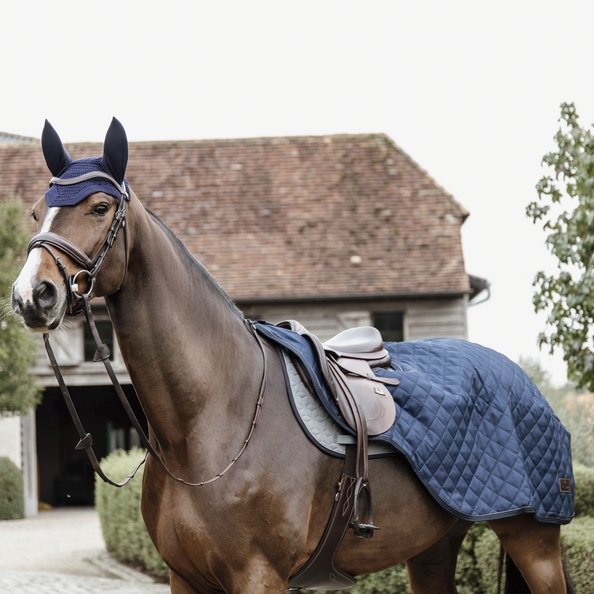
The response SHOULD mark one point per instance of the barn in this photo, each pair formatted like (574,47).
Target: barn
(334,231)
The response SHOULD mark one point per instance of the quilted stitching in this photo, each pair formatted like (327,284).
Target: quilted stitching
(473,426)
(477,431)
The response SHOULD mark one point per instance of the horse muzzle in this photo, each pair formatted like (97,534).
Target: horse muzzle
(41,304)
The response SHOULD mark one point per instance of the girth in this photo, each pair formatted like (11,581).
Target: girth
(368,408)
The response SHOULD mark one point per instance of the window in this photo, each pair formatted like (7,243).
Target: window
(390,324)
(105,332)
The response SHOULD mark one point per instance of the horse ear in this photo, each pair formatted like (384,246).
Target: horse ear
(115,150)
(56,156)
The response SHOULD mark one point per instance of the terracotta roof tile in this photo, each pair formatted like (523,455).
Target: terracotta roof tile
(290,218)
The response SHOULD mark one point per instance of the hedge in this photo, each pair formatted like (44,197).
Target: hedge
(122,525)
(127,540)
(11,491)
(584,490)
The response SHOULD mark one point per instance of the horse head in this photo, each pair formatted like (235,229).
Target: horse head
(79,250)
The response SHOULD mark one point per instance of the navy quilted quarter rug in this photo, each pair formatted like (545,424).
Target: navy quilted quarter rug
(473,426)
(478,433)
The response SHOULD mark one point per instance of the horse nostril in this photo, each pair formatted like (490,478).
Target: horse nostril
(17,301)
(45,294)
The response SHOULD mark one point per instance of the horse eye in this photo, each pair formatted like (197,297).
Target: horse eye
(34,215)
(101,209)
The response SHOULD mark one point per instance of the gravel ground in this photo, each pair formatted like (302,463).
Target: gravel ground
(62,552)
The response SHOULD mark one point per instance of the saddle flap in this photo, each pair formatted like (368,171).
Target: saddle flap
(372,398)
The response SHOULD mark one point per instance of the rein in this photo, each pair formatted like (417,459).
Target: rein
(80,302)
(86,439)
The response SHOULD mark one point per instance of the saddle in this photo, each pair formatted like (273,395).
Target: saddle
(368,409)
(365,403)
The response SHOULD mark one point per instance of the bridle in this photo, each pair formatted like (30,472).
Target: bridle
(80,302)
(90,266)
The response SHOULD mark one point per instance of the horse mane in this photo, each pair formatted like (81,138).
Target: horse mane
(195,264)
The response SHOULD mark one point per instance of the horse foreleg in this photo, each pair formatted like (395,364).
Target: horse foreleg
(434,569)
(535,549)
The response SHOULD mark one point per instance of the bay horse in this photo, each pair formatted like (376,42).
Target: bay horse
(200,373)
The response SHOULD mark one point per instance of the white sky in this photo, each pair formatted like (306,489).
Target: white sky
(471,90)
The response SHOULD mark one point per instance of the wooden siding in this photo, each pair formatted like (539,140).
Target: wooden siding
(422,318)
(430,319)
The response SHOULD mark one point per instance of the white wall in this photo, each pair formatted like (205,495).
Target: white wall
(10,438)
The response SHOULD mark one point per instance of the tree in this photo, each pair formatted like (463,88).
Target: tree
(19,390)
(565,208)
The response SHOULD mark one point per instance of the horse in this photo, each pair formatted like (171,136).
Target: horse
(256,508)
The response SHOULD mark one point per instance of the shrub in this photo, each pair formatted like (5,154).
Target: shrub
(468,577)
(11,491)
(584,490)
(486,554)
(122,525)
(578,549)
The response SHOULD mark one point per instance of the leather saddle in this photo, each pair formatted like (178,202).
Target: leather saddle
(347,363)
(350,357)
(365,403)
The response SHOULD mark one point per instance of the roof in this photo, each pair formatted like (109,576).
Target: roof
(6,137)
(291,218)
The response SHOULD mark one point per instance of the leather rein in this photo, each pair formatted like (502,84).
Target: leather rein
(80,302)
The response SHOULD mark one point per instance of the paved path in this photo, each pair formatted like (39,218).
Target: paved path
(62,552)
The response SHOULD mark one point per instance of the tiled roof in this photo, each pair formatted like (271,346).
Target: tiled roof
(344,216)
(6,137)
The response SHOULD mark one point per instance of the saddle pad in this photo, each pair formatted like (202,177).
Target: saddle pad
(472,425)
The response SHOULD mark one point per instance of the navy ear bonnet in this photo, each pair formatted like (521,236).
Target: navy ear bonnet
(69,195)
(73,180)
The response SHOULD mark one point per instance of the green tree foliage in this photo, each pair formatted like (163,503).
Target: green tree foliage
(18,388)
(565,208)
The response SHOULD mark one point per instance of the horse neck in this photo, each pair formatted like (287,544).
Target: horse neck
(187,349)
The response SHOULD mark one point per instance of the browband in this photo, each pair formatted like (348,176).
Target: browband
(69,181)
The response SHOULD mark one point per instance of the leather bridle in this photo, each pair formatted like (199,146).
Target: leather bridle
(90,266)
(80,302)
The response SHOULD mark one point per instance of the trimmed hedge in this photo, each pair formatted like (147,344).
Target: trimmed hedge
(11,491)
(584,490)
(122,525)
(578,550)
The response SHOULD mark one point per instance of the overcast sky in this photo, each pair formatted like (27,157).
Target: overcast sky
(471,90)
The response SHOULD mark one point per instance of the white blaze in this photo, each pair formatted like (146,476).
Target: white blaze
(24,283)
